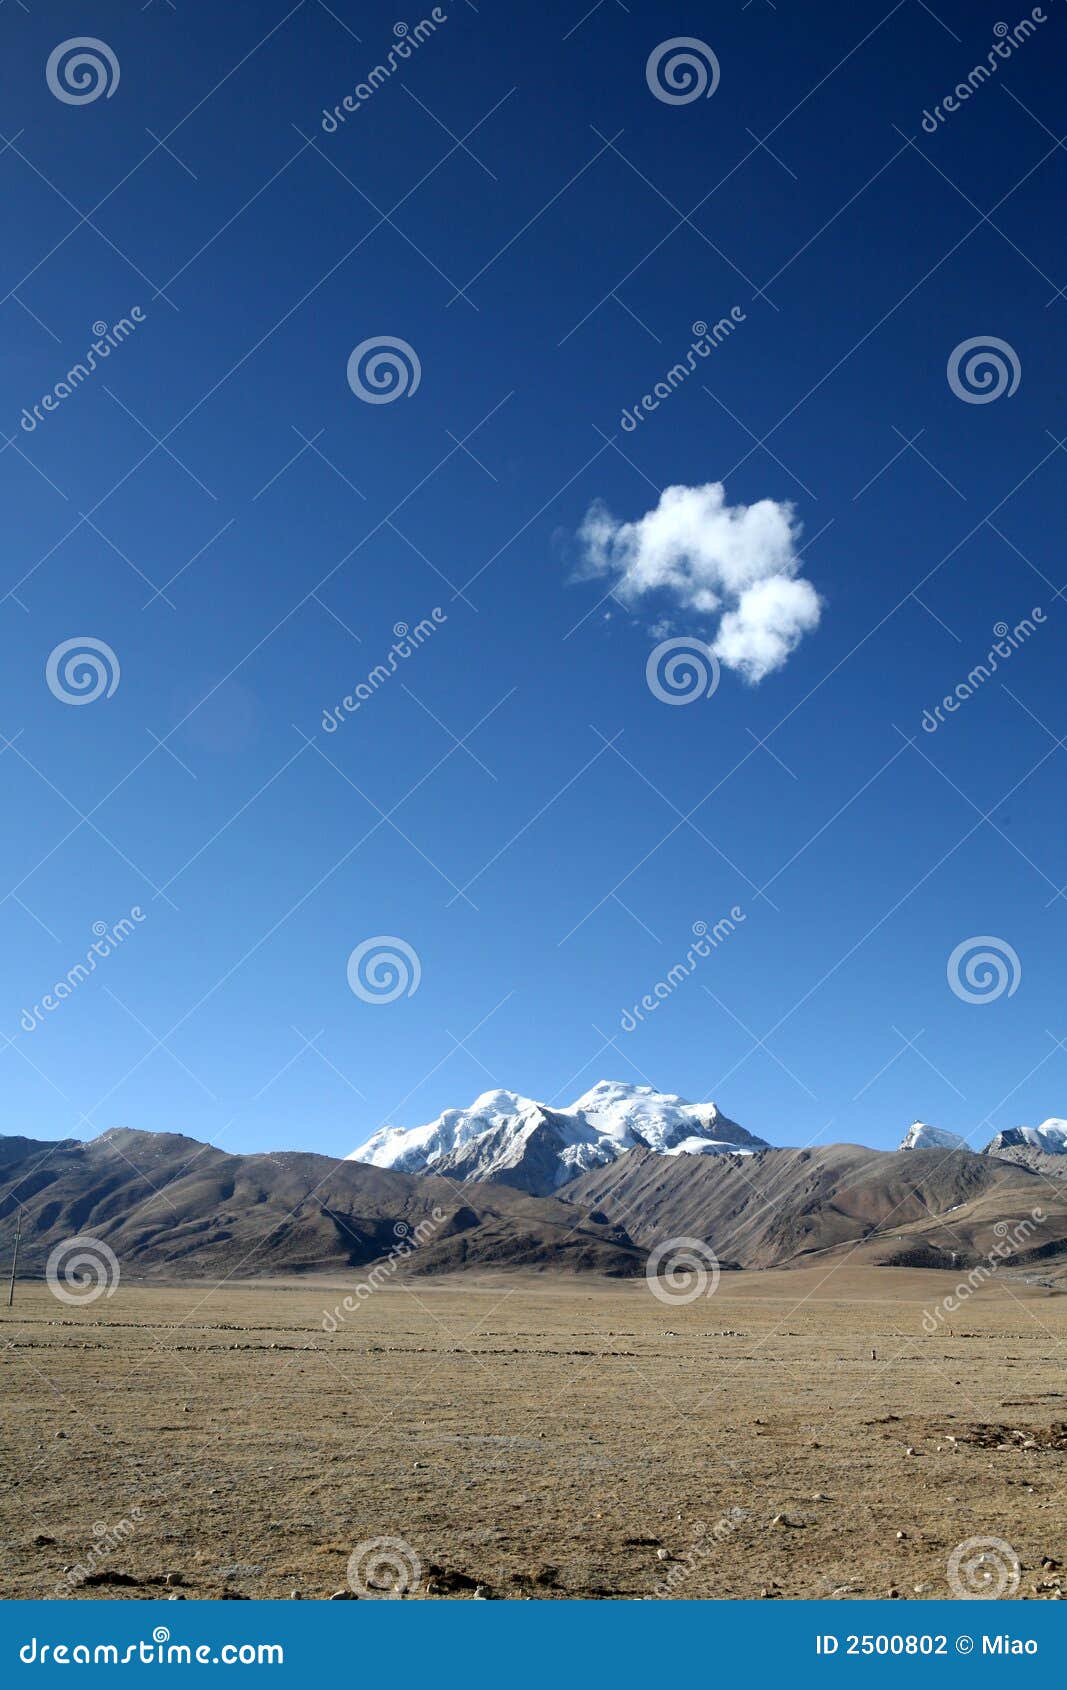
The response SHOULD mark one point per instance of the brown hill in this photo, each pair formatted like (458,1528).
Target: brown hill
(920,1208)
(169,1206)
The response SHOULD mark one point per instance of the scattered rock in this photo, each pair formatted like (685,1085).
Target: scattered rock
(42,1540)
(481,1593)
(663,1554)
(344,1596)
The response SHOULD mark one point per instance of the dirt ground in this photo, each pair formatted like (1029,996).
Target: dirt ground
(538,1437)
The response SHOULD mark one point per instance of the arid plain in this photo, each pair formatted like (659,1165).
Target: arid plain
(797,1435)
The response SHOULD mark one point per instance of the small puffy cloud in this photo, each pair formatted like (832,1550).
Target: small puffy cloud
(736,564)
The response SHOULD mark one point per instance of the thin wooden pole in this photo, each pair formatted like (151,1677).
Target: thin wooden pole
(15,1257)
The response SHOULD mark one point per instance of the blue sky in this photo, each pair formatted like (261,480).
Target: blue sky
(218,507)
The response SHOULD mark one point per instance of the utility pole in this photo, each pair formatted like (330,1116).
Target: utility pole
(15,1257)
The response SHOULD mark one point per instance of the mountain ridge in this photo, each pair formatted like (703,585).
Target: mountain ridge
(511,1139)
(170,1207)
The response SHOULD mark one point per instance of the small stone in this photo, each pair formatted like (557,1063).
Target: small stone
(481,1593)
(294,1596)
(901,1536)
(663,1554)
(344,1596)
(61,1434)
(911,1451)
(42,1539)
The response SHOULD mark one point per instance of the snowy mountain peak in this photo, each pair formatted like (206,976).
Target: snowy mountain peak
(514,1139)
(920,1136)
(1050,1137)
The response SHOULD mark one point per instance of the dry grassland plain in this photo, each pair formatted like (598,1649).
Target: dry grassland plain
(795,1435)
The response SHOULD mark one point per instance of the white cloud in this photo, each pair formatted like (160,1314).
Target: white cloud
(736,564)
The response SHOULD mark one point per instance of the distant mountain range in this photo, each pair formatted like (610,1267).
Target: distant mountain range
(515,1141)
(511,1183)
(539,1148)
(1043,1149)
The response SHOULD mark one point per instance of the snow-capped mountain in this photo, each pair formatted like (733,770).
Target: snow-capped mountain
(1050,1138)
(920,1136)
(1028,1145)
(518,1141)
